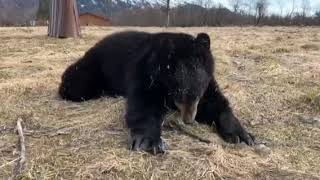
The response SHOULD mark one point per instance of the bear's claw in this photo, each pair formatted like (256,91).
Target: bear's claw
(148,144)
(237,138)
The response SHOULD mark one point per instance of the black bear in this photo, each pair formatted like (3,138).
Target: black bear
(156,72)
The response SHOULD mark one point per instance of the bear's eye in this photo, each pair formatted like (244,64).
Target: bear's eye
(168,66)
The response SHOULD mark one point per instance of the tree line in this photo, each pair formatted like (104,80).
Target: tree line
(205,13)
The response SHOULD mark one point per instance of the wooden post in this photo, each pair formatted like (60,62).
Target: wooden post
(64,19)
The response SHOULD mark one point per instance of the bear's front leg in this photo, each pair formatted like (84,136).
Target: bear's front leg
(214,108)
(144,118)
(145,134)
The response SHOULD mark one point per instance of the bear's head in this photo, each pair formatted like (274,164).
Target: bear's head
(183,65)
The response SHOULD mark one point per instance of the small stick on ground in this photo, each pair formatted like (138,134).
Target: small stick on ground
(22,148)
(5,129)
(183,128)
(8,163)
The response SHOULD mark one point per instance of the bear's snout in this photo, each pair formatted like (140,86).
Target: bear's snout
(188,110)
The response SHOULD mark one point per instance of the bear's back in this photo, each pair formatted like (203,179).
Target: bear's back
(120,53)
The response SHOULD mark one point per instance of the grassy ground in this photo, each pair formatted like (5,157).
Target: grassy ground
(270,75)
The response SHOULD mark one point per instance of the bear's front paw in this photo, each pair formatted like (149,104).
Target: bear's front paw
(238,136)
(141,142)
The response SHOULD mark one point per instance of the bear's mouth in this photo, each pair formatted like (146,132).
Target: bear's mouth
(188,110)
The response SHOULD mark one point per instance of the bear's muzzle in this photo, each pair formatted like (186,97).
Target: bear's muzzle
(188,110)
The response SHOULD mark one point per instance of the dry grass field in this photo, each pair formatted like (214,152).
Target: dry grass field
(270,75)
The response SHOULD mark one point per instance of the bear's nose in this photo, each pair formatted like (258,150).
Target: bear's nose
(188,110)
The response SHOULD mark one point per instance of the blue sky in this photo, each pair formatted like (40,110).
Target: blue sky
(274,5)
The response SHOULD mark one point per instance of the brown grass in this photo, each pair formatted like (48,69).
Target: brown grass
(270,75)
(313,47)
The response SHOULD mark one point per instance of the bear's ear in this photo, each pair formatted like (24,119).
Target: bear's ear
(203,39)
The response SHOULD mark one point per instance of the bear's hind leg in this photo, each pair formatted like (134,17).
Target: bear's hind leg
(214,108)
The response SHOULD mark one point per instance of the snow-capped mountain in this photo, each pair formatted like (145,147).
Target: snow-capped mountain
(107,7)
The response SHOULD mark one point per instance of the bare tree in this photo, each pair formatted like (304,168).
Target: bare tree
(107,7)
(201,14)
(281,4)
(250,7)
(219,14)
(293,8)
(247,7)
(305,6)
(64,19)
(261,10)
(168,12)
(235,5)
(208,4)
(165,6)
